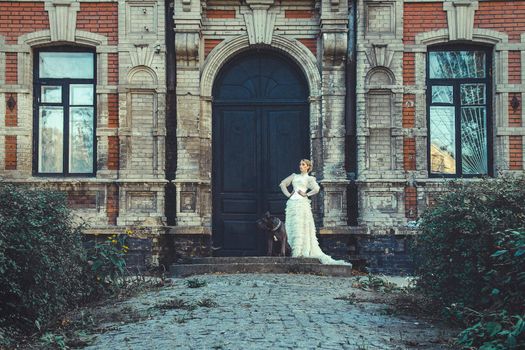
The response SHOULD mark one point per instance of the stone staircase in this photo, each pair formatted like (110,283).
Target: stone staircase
(257,264)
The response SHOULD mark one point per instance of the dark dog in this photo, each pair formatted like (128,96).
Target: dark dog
(274,231)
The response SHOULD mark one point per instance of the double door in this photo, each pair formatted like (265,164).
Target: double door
(254,147)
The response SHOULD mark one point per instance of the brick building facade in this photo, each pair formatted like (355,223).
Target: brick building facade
(120,104)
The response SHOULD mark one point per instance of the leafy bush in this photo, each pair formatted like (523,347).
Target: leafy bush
(470,258)
(42,266)
(459,233)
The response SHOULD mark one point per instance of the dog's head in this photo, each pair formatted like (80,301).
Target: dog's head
(265,223)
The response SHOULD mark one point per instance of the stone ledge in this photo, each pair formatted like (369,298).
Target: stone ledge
(342,230)
(188,230)
(184,270)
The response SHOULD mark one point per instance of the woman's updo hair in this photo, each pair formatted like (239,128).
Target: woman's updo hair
(309,163)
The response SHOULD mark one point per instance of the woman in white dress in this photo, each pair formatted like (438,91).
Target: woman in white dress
(300,226)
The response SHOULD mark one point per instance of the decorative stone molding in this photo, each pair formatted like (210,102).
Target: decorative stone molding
(142,75)
(380,55)
(460,18)
(334,48)
(186,5)
(142,55)
(231,47)
(478,35)
(81,37)
(380,76)
(260,21)
(187,48)
(62,19)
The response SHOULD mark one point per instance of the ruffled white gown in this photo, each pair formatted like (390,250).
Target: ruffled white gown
(299,223)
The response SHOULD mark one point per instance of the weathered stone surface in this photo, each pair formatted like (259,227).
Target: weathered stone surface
(270,312)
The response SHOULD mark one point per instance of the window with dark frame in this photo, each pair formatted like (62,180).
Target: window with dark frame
(64,112)
(459,114)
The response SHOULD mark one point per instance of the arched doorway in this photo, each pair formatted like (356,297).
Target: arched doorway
(260,131)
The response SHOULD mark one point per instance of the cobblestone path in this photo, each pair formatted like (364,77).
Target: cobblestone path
(267,312)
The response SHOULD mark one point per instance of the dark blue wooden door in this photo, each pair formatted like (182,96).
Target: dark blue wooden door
(260,132)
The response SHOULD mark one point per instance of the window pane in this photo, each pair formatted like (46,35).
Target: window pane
(77,65)
(442,94)
(81,94)
(81,140)
(50,148)
(473,140)
(442,140)
(457,64)
(51,94)
(472,94)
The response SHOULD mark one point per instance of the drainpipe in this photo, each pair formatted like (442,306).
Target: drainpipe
(350,116)
(171,114)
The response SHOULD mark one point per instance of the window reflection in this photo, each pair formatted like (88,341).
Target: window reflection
(457,64)
(442,140)
(73,65)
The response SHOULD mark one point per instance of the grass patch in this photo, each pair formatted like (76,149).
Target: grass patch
(207,302)
(196,283)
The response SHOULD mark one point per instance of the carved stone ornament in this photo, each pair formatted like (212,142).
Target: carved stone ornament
(186,5)
(379,55)
(187,48)
(460,18)
(62,19)
(334,48)
(142,55)
(260,21)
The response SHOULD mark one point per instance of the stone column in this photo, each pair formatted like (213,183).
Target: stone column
(334,28)
(189,181)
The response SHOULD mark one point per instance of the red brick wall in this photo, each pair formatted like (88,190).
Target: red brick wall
(11,68)
(410,202)
(113,111)
(113,153)
(11,116)
(422,17)
(112,204)
(514,116)
(409,68)
(209,45)
(311,44)
(18,18)
(10,152)
(515,66)
(220,13)
(409,153)
(99,17)
(113,68)
(409,110)
(516,153)
(82,199)
(506,16)
(299,13)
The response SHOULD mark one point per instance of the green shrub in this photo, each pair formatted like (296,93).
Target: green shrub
(43,269)
(470,258)
(459,234)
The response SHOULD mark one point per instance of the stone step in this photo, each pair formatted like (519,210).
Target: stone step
(185,270)
(249,260)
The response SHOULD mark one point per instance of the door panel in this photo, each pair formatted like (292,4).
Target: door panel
(287,142)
